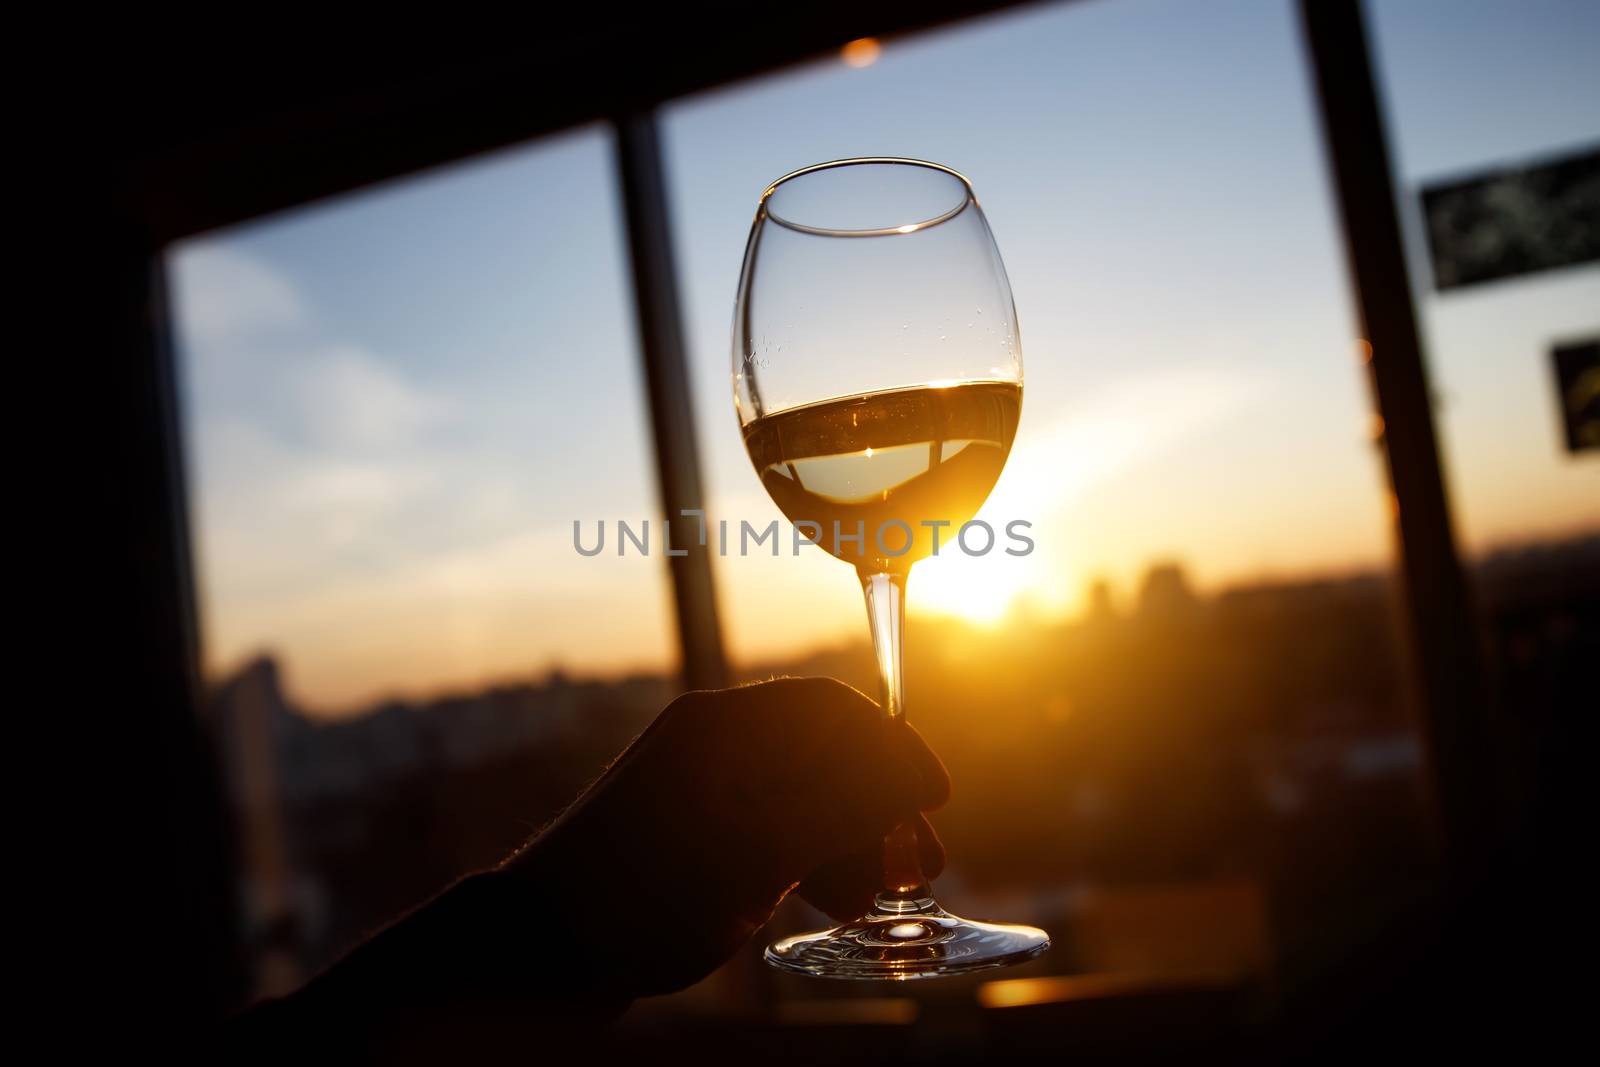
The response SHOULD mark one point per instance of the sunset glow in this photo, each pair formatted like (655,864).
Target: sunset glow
(977,589)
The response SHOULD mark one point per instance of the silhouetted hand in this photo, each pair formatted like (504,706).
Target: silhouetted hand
(680,852)
(657,874)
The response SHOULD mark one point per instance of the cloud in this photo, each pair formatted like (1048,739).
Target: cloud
(225,297)
(313,455)
(347,398)
(371,523)
(274,514)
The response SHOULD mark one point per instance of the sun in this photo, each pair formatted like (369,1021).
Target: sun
(976,588)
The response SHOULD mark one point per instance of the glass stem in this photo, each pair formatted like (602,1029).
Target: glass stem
(886,602)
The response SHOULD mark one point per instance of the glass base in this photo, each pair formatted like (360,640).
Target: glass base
(903,938)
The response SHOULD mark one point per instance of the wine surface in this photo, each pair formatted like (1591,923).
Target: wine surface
(917,455)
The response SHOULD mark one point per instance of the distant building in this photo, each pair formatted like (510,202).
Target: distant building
(1165,594)
(1102,609)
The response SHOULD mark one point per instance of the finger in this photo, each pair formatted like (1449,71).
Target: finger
(814,719)
(930,850)
(877,775)
(844,887)
(789,775)
(933,780)
(829,755)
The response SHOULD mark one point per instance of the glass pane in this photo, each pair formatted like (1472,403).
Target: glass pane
(396,404)
(1495,139)
(1182,711)
(1513,480)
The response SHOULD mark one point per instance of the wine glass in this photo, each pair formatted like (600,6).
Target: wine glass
(877,374)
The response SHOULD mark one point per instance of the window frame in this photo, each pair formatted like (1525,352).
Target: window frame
(178,185)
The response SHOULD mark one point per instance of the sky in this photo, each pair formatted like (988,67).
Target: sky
(398,401)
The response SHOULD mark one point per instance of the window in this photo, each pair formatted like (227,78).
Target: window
(1183,711)
(397,402)
(1513,481)
(1177,728)
(1491,98)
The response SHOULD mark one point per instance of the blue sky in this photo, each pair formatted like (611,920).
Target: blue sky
(397,401)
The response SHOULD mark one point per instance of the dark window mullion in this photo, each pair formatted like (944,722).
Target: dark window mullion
(642,179)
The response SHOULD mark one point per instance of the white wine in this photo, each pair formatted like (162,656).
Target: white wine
(861,464)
